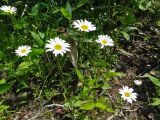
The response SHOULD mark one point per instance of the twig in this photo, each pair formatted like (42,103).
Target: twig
(112,116)
(47,57)
(33,118)
(123,115)
(125,53)
(42,88)
(111,98)
(128,109)
(52,105)
(46,106)
(24,10)
(132,110)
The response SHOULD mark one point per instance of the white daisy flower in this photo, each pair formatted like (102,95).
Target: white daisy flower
(138,82)
(23,50)
(84,25)
(105,40)
(8,9)
(58,46)
(128,94)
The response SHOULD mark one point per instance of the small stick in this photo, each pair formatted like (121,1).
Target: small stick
(112,116)
(52,105)
(24,10)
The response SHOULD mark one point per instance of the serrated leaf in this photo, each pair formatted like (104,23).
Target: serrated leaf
(88,106)
(4,88)
(37,39)
(155,80)
(67,11)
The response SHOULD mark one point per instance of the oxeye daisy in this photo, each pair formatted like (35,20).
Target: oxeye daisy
(128,94)
(57,46)
(8,9)
(23,50)
(84,25)
(105,40)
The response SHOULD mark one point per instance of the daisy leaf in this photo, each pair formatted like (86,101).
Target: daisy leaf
(155,80)
(67,11)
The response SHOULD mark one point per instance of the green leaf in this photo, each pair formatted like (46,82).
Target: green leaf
(37,39)
(78,103)
(85,91)
(80,76)
(100,105)
(144,5)
(67,104)
(4,67)
(24,65)
(21,23)
(42,35)
(35,9)
(37,51)
(126,35)
(109,109)
(88,106)
(158,23)
(3,108)
(106,86)
(156,102)
(3,81)
(1,55)
(4,88)
(91,82)
(86,118)
(111,74)
(23,68)
(81,3)
(128,18)
(155,80)
(67,11)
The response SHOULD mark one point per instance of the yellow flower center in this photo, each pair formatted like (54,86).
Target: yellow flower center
(127,94)
(23,50)
(104,42)
(58,47)
(9,11)
(84,27)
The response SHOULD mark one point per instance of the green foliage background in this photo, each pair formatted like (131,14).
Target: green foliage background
(76,77)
